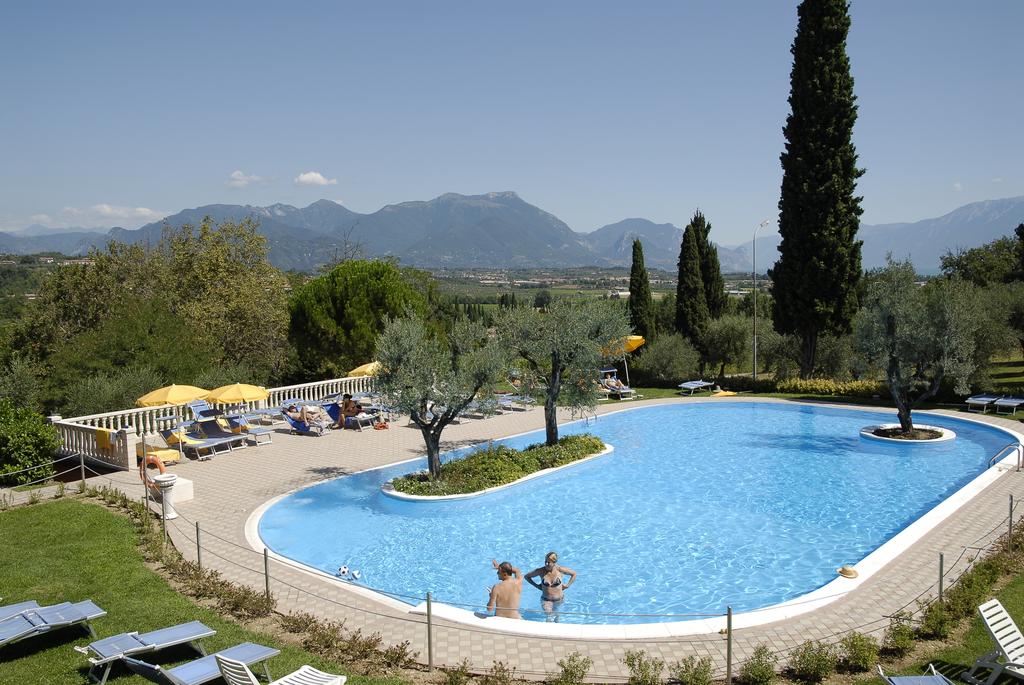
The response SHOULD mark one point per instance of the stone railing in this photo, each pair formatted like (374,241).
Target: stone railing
(78,433)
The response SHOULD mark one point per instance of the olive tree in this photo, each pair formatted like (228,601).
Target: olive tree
(726,341)
(435,380)
(920,335)
(562,350)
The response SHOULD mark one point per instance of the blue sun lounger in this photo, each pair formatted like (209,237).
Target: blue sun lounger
(14,609)
(932,677)
(981,401)
(694,386)
(1008,403)
(240,426)
(112,649)
(205,669)
(38,620)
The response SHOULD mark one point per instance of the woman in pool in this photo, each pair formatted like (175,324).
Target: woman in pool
(552,584)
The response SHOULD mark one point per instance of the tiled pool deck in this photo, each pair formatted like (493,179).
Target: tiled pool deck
(231,486)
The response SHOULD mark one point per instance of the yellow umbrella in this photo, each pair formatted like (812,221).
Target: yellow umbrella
(624,346)
(633,342)
(368,369)
(236,393)
(172,394)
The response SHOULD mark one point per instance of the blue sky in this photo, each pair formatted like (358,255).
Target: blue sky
(119,113)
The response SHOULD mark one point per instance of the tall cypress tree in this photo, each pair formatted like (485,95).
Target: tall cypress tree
(815,281)
(692,315)
(710,268)
(641,304)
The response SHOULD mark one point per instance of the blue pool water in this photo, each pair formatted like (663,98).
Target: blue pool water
(700,506)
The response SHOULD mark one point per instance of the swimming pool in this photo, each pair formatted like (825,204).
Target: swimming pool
(699,506)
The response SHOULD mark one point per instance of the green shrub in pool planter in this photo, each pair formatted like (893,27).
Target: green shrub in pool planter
(497,465)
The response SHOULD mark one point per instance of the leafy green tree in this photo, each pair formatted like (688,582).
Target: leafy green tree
(994,262)
(641,304)
(27,444)
(922,335)
(1019,234)
(434,381)
(665,361)
(542,299)
(665,313)
(562,350)
(21,384)
(692,314)
(726,341)
(337,317)
(815,280)
(710,268)
(110,390)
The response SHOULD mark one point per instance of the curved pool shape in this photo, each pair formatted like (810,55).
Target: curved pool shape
(698,507)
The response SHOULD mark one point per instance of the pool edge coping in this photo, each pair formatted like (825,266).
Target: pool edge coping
(830,592)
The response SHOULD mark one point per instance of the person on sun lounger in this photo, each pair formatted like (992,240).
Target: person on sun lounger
(613,383)
(349,409)
(310,414)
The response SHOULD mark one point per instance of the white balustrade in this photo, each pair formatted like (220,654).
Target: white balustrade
(78,433)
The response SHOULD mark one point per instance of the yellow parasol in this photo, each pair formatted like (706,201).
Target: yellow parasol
(368,369)
(172,394)
(236,393)
(624,347)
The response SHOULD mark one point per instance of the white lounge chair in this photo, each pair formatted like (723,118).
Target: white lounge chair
(205,669)
(112,649)
(1008,403)
(981,401)
(237,673)
(693,386)
(14,609)
(1008,656)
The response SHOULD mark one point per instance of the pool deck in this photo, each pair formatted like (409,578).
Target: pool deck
(230,487)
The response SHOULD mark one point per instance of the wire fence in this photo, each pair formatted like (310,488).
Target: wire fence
(188,535)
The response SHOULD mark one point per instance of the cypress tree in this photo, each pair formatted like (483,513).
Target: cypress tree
(641,304)
(815,281)
(691,307)
(710,268)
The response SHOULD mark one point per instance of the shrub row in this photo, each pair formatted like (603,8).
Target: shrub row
(810,386)
(497,465)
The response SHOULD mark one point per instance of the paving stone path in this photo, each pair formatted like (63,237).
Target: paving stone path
(230,487)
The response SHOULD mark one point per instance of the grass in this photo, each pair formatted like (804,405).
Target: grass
(68,550)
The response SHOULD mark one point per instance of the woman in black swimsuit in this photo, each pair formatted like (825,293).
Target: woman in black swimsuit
(551,585)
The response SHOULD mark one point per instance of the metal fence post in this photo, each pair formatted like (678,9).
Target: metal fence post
(942,566)
(728,646)
(163,515)
(1009,537)
(266,571)
(430,636)
(81,466)
(199,550)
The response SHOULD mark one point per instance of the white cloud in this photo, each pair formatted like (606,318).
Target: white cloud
(105,213)
(997,179)
(314,178)
(44,219)
(239,179)
(958,186)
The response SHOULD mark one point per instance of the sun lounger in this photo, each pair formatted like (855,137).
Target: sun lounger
(1008,656)
(39,620)
(201,409)
(202,446)
(212,429)
(1008,403)
(301,427)
(237,673)
(13,609)
(932,677)
(981,401)
(205,669)
(240,426)
(694,386)
(109,650)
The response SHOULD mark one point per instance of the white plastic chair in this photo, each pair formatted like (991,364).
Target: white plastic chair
(237,673)
(1009,646)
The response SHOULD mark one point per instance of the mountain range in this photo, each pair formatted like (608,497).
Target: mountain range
(502,230)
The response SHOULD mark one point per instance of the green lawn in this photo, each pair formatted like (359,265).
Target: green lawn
(68,550)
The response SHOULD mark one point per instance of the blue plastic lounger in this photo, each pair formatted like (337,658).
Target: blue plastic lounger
(694,386)
(1010,404)
(37,621)
(981,401)
(13,609)
(301,427)
(198,444)
(201,409)
(240,426)
(212,430)
(205,669)
(237,673)
(932,677)
(112,649)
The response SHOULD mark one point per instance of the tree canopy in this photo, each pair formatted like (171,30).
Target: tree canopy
(815,280)
(692,315)
(994,262)
(562,350)
(336,317)
(641,303)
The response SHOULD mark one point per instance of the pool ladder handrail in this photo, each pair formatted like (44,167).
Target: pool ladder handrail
(1017,447)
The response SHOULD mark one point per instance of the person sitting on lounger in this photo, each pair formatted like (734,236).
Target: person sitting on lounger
(310,414)
(349,409)
(613,383)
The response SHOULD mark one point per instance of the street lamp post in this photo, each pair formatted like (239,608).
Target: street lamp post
(754,277)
